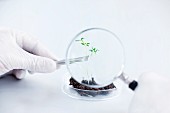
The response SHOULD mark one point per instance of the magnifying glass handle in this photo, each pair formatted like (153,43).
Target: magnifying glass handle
(132,83)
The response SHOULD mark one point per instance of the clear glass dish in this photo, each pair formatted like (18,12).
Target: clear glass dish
(93,95)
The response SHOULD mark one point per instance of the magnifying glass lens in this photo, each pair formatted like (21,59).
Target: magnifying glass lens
(103,55)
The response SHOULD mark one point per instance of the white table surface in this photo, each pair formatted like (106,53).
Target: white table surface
(142,25)
(44,94)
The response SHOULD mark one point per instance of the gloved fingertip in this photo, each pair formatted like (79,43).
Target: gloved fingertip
(57,65)
(51,66)
(52,56)
(19,74)
(45,65)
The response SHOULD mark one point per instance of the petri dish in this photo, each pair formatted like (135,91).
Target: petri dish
(90,95)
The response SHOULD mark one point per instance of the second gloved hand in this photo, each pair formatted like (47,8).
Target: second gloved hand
(20,52)
(152,94)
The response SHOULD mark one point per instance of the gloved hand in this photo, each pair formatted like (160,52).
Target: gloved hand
(152,95)
(20,52)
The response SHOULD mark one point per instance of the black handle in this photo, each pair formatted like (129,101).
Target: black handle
(133,85)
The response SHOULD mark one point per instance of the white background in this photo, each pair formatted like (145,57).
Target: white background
(142,25)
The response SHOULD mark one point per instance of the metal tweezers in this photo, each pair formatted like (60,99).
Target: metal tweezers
(73,60)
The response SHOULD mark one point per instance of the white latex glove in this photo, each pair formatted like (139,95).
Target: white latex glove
(20,52)
(152,95)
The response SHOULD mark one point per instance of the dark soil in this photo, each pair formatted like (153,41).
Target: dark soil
(91,91)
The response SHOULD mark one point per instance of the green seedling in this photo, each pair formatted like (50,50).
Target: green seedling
(83,42)
(90,51)
(93,50)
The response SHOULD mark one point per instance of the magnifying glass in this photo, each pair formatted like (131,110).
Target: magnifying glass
(97,54)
